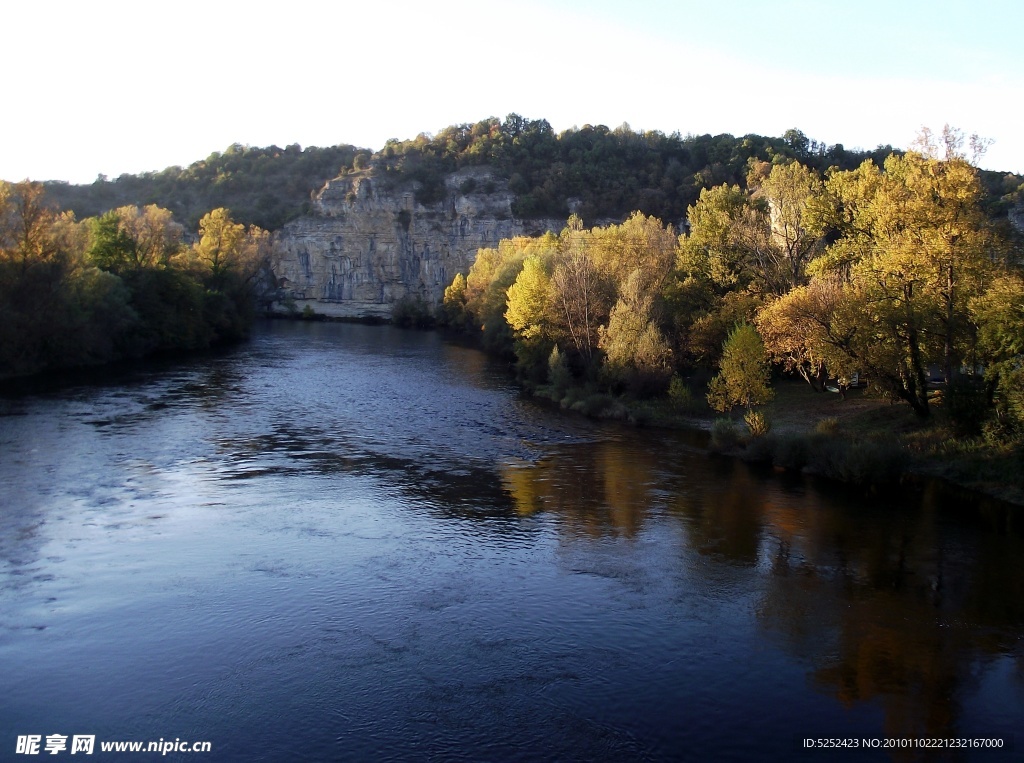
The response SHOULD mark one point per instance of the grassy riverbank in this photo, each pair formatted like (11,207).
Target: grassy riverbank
(863,439)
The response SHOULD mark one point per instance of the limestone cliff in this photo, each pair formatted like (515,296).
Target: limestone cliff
(366,246)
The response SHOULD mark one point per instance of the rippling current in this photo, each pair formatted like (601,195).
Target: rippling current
(343,542)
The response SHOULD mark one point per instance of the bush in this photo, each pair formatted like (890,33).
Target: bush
(791,452)
(559,375)
(412,312)
(573,398)
(757,423)
(866,462)
(966,405)
(595,405)
(761,449)
(874,462)
(724,435)
(682,398)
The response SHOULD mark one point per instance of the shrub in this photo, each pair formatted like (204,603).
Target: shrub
(559,375)
(757,423)
(573,397)
(595,405)
(966,406)
(761,449)
(866,462)
(412,311)
(791,452)
(874,462)
(724,435)
(682,399)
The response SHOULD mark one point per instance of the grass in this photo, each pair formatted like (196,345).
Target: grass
(862,439)
(865,438)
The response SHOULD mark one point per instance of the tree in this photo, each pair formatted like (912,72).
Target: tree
(798,213)
(26,225)
(999,315)
(744,373)
(916,250)
(761,240)
(890,297)
(454,304)
(156,236)
(803,333)
(636,353)
(110,247)
(528,314)
(529,299)
(221,242)
(580,294)
(710,252)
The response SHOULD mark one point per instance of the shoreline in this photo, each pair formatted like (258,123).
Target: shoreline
(870,441)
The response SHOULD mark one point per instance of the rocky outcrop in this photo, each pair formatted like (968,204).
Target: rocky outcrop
(1016,215)
(366,246)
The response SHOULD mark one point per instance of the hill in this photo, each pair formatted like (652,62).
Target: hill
(597,172)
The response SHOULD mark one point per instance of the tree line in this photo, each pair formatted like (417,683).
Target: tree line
(266,187)
(893,272)
(601,173)
(125,284)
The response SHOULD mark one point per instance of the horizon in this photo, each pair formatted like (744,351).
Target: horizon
(320,75)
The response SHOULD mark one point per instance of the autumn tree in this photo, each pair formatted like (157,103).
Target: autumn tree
(797,217)
(917,251)
(528,313)
(529,300)
(804,332)
(637,355)
(580,293)
(453,307)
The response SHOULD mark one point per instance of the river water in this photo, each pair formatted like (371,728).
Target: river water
(343,542)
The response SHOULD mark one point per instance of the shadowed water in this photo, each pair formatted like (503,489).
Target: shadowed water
(359,543)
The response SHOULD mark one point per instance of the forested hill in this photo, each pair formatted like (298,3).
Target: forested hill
(602,173)
(265,186)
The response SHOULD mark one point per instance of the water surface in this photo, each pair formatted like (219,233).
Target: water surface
(344,542)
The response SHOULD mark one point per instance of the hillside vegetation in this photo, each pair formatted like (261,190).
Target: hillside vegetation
(597,172)
(896,274)
(122,285)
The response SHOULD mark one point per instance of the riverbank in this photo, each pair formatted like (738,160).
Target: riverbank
(863,439)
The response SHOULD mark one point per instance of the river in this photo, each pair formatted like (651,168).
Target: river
(345,542)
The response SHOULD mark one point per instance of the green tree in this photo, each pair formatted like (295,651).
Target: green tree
(999,315)
(744,374)
(110,247)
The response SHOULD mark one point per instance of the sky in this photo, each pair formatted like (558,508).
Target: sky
(109,87)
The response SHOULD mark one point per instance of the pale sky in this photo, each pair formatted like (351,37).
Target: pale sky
(110,87)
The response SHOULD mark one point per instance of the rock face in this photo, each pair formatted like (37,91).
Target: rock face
(365,247)
(1016,215)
